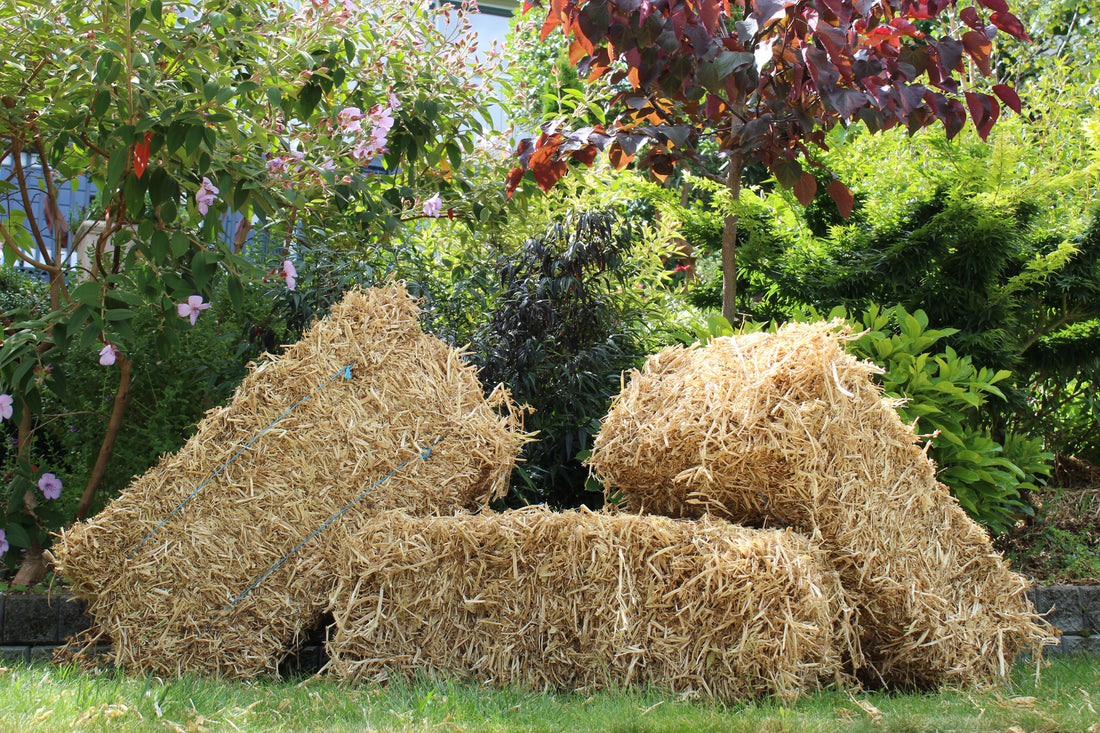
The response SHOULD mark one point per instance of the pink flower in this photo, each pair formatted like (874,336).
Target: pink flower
(275,165)
(50,485)
(108,354)
(349,119)
(192,308)
(205,195)
(6,408)
(433,207)
(289,273)
(682,268)
(4,546)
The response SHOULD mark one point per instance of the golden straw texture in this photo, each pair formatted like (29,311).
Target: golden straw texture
(582,600)
(162,607)
(787,428)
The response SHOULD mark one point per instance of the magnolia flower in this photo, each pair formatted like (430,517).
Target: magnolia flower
(4,546)
(108,354)
(289,274)
(6,408)
(192,308)
(205,195)
(433,207)
(50,485)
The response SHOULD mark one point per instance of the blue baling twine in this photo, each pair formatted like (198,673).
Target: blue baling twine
(345,372)
(425,454)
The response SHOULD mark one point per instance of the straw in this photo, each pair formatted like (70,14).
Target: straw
(161,607)
(581,601)
(787,427)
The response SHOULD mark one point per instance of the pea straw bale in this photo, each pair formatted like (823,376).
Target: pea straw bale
(582,600)
(787,428)
(162,606)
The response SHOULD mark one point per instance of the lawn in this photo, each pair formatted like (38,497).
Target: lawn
(42,697)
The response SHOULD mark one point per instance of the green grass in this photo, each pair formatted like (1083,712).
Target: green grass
(42,697)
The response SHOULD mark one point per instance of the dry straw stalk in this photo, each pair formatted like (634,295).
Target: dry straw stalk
(582,600)
(788,428)
(162,606)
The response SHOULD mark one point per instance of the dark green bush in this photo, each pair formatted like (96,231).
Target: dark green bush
(560,337)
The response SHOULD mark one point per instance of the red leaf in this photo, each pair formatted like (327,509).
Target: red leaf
(513,179)
(984,111)
(998,6)
(708,11)
(141,155)
(1008,95)
(586,154)
(1010,24)
(553,19)
(619,157)
(843,197)
(978,46)
(805,189)
(576,52)
(970,17)
(546,167)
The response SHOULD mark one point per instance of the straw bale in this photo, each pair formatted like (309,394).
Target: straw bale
(787,428)
(162,607)
(582,600)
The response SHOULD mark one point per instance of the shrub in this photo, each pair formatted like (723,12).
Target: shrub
(560,336)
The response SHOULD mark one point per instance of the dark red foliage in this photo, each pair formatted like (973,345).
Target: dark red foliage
(764,78)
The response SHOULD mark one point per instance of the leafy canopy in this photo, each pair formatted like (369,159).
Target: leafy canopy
(760,80)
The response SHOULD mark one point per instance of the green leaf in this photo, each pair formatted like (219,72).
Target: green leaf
(115,166)
(101,102)
(274,96)
(236,292)
(193,139)
(89,292)
(119,314)
(159,244)
(136,17)
(134,193)
(181,243)
(17,535)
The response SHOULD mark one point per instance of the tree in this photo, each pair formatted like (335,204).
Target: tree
(180,114)
(758,82)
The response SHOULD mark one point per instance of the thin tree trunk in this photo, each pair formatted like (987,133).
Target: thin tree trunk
(33,568)
(729,241)
(122,399)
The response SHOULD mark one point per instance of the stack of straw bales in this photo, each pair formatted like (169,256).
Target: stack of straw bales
(161,603)
(582,600)
(787,428)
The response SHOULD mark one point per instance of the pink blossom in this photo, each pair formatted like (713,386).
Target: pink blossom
(275,165)
(433,207)
(108,354)
(6,408)
(350,119)
(205,195)
(289,273)
(192,308)
(4,546)
(50,486)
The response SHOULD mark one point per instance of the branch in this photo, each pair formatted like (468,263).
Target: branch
(20,174)
(6,235)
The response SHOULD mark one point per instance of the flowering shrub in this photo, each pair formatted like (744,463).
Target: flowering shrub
(180,115)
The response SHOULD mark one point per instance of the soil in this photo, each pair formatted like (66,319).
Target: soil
(1061,544)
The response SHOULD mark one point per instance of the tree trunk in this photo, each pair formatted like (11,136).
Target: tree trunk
(122,399)
(729,241)
(33,568)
